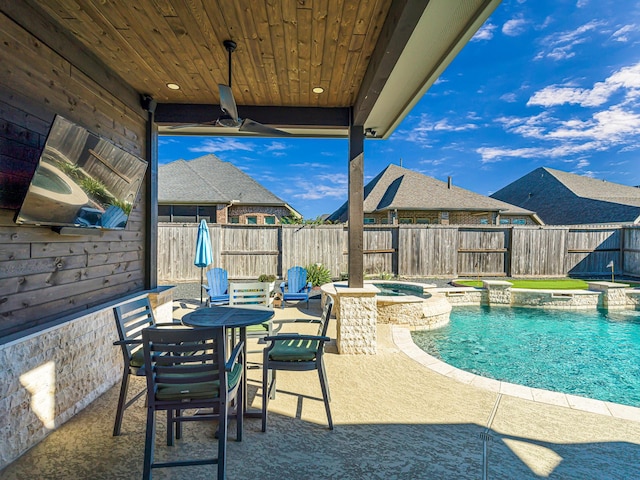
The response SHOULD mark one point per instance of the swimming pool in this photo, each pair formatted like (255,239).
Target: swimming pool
(589,353)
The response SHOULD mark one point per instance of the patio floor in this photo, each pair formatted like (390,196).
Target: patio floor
(394,419)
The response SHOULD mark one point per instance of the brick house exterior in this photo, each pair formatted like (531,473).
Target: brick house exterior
(401,196)
(216,191)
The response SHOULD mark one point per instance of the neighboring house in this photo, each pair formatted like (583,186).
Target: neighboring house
(208,188)
(562,198)
(399,195)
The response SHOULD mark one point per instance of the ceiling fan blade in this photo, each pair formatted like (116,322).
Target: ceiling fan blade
(227,102)
(250,126)
(189,125)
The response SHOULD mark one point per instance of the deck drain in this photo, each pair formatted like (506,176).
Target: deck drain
(486,437)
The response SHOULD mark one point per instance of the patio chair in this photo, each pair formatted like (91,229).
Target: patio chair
(131,318)
(296,352)
(217,287)
(296,287)
(179,378)
(255,293)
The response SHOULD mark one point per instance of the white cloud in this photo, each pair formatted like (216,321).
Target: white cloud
(582,3)
(484,33)
(222,145)
(514,27)
(421,132)
(621,35)
(309,165)
(627,79)
(509,97)
(276,146)
(324,186)
(559,46)
(583,163)
(609,126)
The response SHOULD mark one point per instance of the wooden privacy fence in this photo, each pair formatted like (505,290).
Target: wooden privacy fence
(412,251)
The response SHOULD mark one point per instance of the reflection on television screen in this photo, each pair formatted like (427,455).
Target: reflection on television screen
(82,180)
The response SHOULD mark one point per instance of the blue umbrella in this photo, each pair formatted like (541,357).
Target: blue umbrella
(203,250)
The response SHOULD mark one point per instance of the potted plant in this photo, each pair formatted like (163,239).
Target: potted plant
(270,279)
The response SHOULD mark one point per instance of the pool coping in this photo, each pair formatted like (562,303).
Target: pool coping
(401,336)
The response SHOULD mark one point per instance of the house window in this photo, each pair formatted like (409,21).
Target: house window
(270,220)
(234,219)
(207,213)
(369,220)
(422,220)
(484,221)
(164,213)
(519,221)
(185,213)
(504,221)
(405,220)
(252,220)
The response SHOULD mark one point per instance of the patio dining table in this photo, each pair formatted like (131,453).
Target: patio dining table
(232,317)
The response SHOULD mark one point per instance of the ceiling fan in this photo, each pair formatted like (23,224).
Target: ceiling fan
(229,116)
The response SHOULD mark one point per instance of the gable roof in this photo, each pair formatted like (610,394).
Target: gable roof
(566,198)
(398,188)
(209,180)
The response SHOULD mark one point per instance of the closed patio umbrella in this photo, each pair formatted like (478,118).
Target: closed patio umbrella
(203,250)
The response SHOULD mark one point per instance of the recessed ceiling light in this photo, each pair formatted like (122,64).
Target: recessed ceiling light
(318,90)
(173,86)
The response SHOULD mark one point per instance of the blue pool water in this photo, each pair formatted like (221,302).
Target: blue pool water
(589,353)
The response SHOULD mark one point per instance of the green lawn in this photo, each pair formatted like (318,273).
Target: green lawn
(549,284)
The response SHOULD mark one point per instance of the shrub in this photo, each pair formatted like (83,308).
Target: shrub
(267,278)
(318,274)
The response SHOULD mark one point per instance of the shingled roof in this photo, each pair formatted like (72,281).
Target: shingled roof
(398,188)
(209,180)
(562,198)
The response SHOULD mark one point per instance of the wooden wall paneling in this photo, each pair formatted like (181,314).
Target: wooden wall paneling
(28,317)
(344,58)
(53,39)
(36,282)
(44,275)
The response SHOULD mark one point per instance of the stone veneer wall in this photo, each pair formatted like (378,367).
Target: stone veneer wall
(48,377)
(459,296)
(567,299)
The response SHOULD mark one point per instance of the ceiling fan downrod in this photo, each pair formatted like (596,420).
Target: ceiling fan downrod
(230,45)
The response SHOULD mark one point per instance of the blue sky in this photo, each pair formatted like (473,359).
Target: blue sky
(544,83)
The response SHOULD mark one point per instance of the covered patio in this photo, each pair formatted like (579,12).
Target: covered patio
(112,68)
(394,419)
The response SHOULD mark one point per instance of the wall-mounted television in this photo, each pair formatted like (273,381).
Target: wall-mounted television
(81,181)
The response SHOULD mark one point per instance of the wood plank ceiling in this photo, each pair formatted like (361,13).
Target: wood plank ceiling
(373,59)
(285,47)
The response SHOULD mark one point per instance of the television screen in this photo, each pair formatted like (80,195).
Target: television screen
(81,180)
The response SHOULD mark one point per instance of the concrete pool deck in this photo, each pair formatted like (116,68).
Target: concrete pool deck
(395,418)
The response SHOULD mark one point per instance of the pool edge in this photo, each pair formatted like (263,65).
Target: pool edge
(402,339)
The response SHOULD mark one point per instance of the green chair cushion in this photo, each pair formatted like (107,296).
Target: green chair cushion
(137,359)
(197,390)
(260,328)
(294,350)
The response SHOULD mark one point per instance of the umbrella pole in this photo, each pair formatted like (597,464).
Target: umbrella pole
(201,280)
